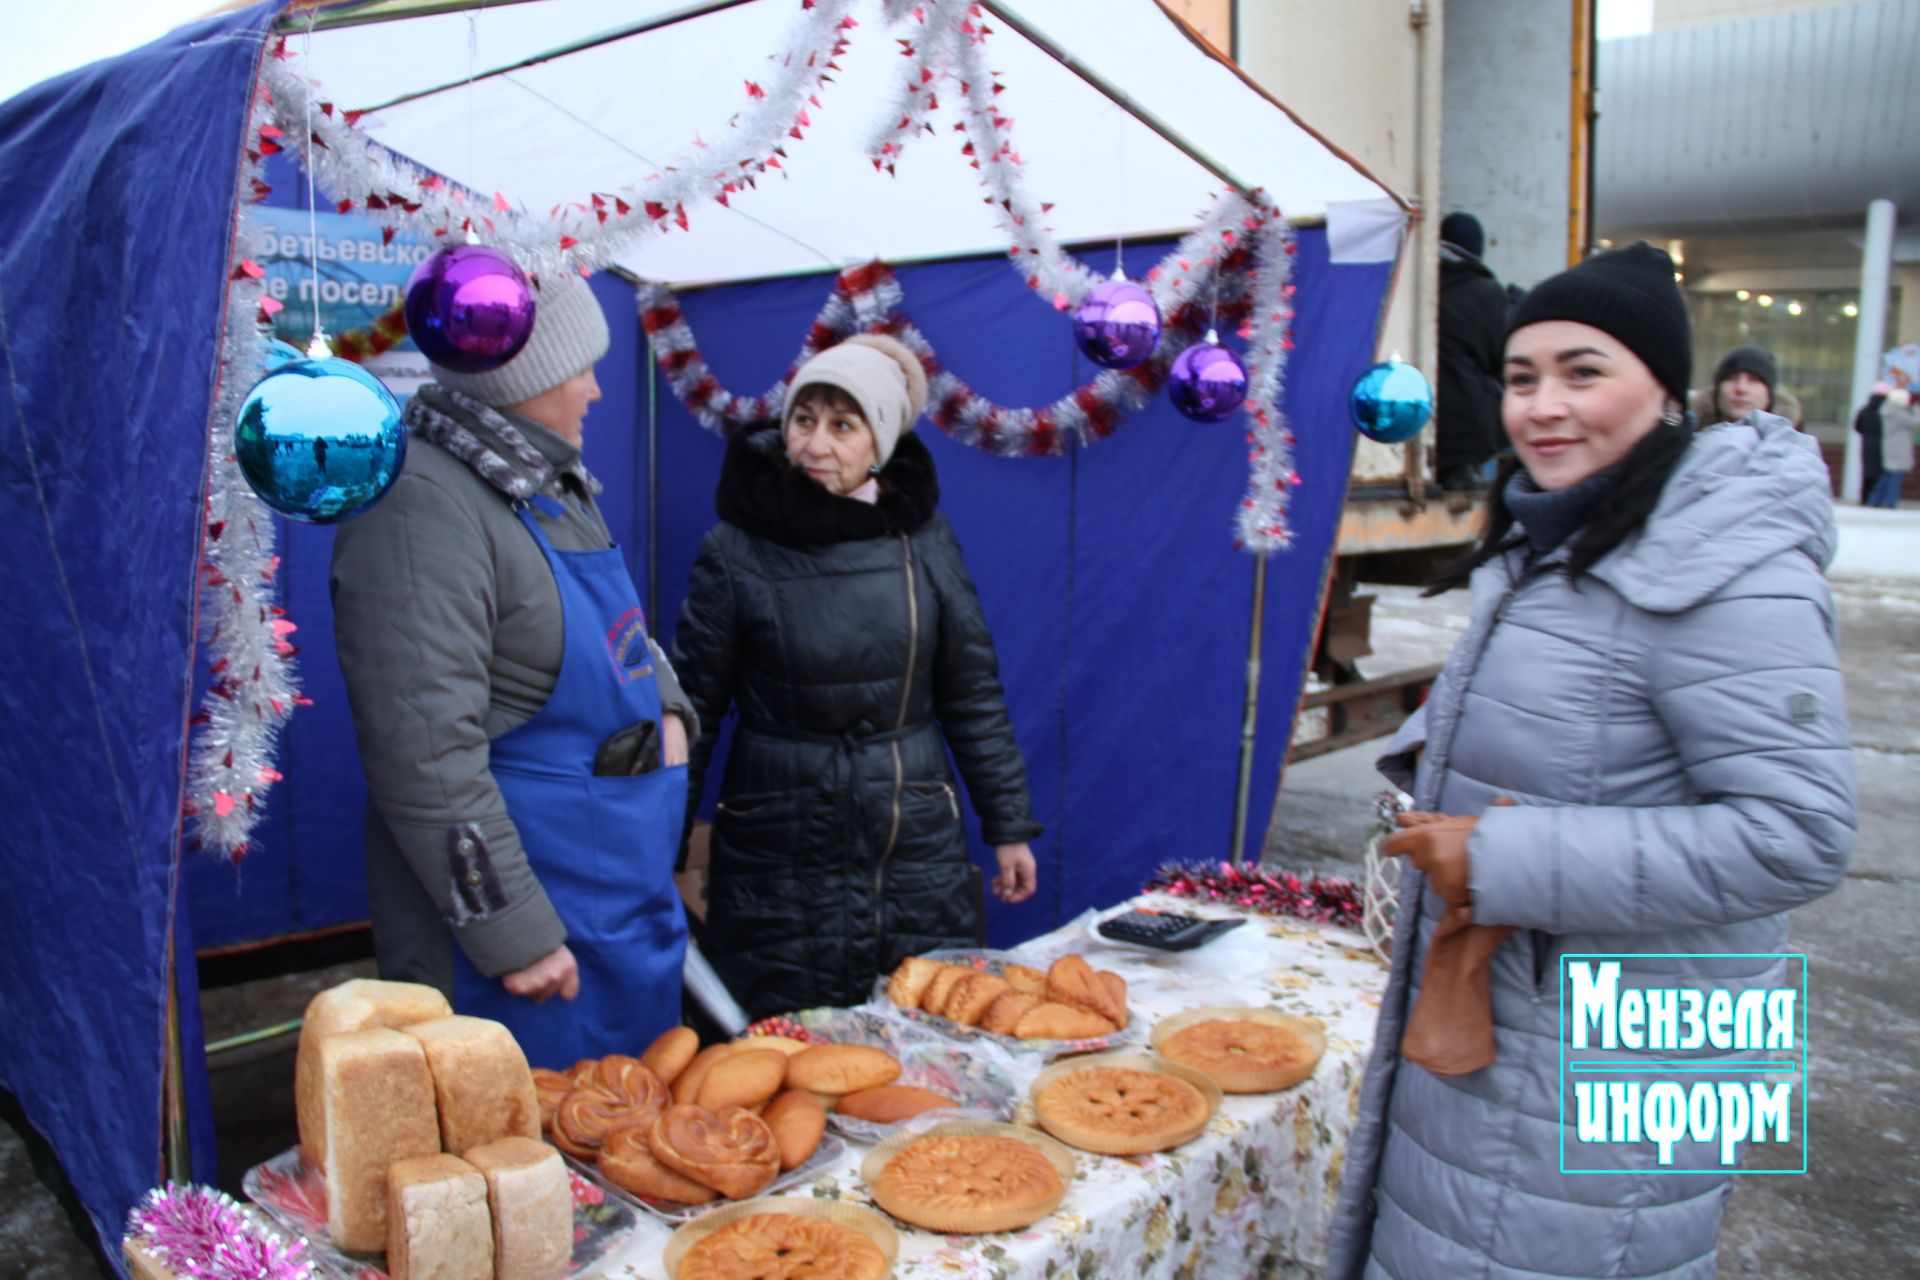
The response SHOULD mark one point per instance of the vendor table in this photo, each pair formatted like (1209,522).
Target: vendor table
(1251,1196)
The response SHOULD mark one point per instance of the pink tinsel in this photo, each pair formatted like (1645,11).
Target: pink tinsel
(202,1234)
(1323,899)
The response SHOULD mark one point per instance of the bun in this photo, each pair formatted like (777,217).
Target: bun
(744,1079)
(377,1107)
(632,1079)
(589,1116)
(934,999)
(532,1204)
(669,1055)
(892,1103)
(1028,981)
(785,1044)
(1004,1014)
(910,981)
(550,1088)
(628,1163)
(1050,1021)
(841,1068)
(355,1005)
(784,1246)
(1120,1111)
(686,1085)
(481,1081)
(438,1226)
(798,1122)
(731,1150)
(969,1183)
(1071,980)
(973,995)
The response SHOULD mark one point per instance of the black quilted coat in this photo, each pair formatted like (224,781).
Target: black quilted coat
(850,641)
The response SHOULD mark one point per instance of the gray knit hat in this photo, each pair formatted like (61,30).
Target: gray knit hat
(569,337)
(882,375)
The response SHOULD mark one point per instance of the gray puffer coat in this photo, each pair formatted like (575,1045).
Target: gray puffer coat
(1674,733)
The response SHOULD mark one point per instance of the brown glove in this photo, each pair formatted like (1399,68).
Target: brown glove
(1450,1031)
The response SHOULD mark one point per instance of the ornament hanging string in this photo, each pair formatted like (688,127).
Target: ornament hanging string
(316,346)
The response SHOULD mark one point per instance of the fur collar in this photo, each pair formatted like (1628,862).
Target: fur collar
(763,495)
(487,440)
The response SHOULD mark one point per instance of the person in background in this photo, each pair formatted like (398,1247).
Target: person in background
(1473,322)
(1639,748)
(1899,419)
(1747,378)
(1867,423)
(832,608)
(522,735)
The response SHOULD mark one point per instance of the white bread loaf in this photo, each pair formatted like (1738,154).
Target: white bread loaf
(481,1081)
(532,1205)
(438,1224)
(354,1005)
(376,1096)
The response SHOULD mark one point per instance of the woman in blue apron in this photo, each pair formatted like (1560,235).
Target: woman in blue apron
(526,781)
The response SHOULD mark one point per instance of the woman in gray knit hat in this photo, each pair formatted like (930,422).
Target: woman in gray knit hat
(515,718)
(832,608)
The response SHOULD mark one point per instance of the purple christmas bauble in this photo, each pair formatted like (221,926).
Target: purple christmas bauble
(1207,381)
(1118,325)
(469,308)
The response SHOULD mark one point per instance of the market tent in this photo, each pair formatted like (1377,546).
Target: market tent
(1120,603)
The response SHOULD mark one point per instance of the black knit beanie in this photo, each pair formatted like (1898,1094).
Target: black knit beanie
(1757,361)
(1629,293)
(1464,231)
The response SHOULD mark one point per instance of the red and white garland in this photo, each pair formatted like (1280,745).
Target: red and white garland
(251,686)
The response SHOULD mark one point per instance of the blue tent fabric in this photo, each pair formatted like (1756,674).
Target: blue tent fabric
(1119,605)
(112,282)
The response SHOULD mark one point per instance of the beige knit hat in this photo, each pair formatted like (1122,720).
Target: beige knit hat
(884,378)
(569,337)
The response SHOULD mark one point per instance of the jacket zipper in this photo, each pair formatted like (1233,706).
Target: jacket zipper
(900,721)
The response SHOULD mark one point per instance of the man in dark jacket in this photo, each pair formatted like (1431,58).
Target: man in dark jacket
(1473,329)
(492,646)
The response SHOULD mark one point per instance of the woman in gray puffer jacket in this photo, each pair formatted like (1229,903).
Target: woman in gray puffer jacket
(1639,748)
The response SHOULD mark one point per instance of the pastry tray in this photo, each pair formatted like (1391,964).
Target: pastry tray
(1131,1062)
(980,1079)
(1312,1030)
(993,962)
(829,1150)
(984,1221)
(295,1196)
(865,1221)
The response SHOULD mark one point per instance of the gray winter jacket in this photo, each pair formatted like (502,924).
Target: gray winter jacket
(1898,422)
(1674,733)
(447,624)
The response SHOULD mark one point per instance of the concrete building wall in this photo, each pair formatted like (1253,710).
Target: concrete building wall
(1506,129)
(1366,74)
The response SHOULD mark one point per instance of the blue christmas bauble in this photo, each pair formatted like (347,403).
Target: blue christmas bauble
(1391,402)
(319,440)
(281,353)
(469,308)
(1207,381)
(1118,325)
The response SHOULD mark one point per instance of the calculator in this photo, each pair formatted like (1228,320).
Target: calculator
(1163,930)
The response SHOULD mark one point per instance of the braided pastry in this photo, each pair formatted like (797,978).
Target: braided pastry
(731,1150)
(627,1161)
(587,1116)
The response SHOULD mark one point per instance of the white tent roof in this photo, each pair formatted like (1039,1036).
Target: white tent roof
(571,97)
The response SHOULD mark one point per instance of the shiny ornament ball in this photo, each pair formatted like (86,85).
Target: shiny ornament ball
(1391,402)
(1207,382)
(469,308)
(281,353)
(1118,326)
(319,440)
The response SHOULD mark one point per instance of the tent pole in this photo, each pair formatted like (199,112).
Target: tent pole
(1113,93)
(175,1144)
(1250,714)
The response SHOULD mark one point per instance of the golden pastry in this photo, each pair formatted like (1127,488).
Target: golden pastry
(967,1183)
(1052,1021)
(892,1103)
(588,1115)
(841,1068)
(784,1246)
(731,1150)
(798,1121)
(973,995)
(1242,1055)
(627,1160)
(1120,1111)
(909,982)
(934,1000)
(744,1079)
(1004,1014)
(669,1055)
(1072,980)
(1027,981)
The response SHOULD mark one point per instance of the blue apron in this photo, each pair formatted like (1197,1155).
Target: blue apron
(602,847)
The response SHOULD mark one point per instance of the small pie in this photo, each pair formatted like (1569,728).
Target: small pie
(969,1183)
(1121,1111)
(784,1246)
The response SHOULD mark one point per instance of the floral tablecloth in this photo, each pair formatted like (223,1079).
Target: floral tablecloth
(1251,1196)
